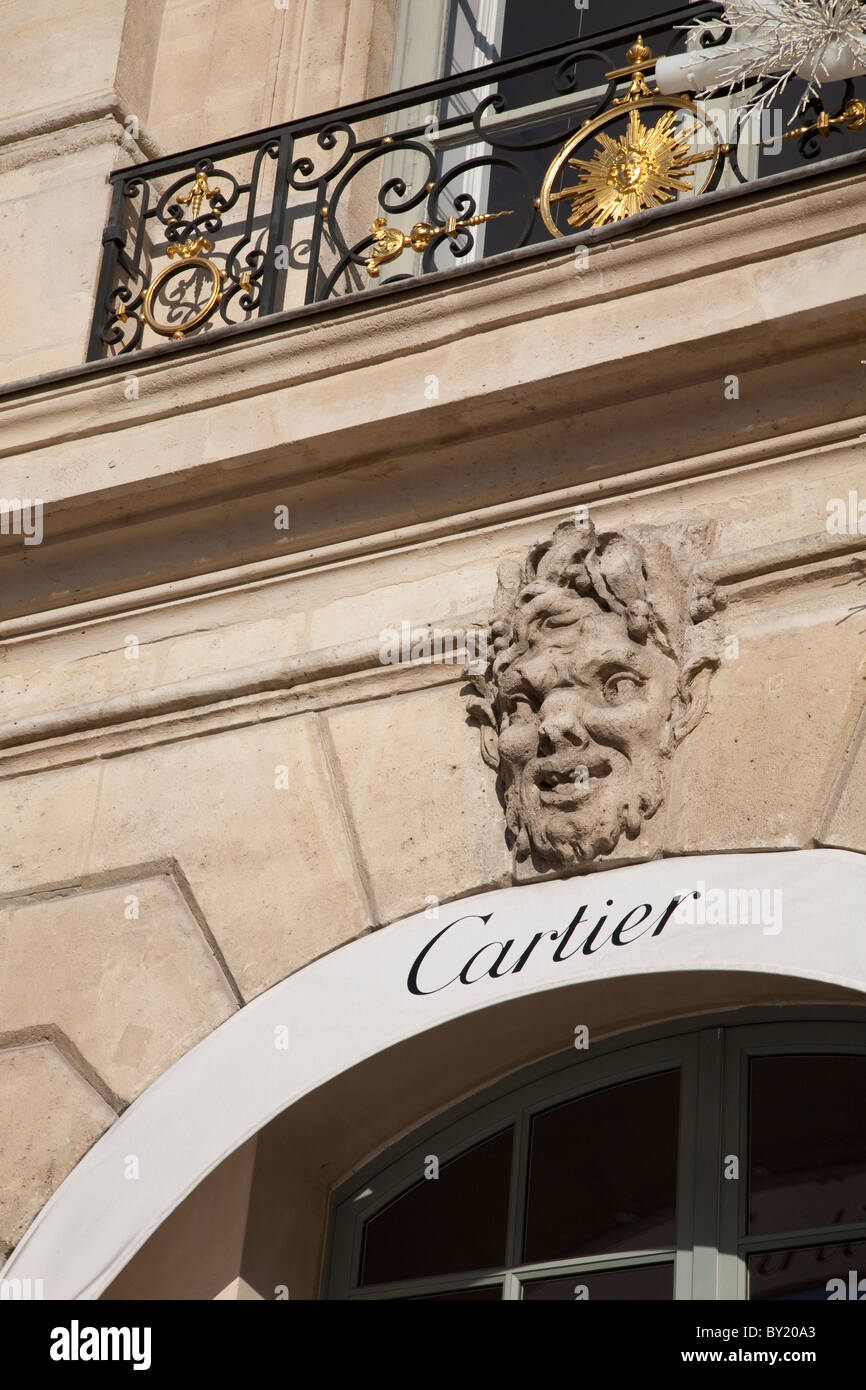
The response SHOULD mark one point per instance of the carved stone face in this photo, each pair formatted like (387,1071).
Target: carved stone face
(599,674)
(587,712)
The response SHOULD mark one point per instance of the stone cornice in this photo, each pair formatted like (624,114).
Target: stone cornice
(341,674)
(756,565)
(64,129)
(365,332)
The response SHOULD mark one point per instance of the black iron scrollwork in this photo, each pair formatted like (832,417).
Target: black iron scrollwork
(306,211)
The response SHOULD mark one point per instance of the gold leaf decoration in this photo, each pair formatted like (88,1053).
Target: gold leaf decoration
(641,169)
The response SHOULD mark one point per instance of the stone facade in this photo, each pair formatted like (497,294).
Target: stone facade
(208,777)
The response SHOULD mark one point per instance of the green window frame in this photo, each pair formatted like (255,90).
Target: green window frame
(712,1242)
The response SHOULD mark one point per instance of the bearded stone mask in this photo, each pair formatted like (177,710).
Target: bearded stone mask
(603,648)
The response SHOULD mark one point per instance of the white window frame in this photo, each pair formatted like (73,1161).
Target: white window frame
(422,28)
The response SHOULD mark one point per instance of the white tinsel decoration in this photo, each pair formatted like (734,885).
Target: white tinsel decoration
(811,39)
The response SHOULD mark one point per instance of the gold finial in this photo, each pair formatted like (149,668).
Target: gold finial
(639,59)
(639,52)
(390,242)
(200,190)
(852,117)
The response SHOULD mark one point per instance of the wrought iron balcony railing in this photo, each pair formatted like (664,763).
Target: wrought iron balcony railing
(454,171)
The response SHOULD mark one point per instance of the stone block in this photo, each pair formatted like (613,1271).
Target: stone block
(51,1118)
(757,771)
(424,803)
(132,993)
(269,865)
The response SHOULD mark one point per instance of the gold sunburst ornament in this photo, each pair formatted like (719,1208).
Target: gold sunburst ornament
(641,169)
(653,160)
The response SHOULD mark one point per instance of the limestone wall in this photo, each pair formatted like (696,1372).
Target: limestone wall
(207,776)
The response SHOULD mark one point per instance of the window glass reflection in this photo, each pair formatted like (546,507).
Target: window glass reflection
(603,1172)
(807,1154)
(529,26)
(818,1274)
(647,1283)
(486,1295)
(447,1224)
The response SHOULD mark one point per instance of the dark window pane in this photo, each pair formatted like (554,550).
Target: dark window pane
(807,1273)
(530,26)
(807,1157)
(447,1224)
(603,1172)
(488,1295)
(650,1283)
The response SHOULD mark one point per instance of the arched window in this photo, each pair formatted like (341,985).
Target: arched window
(714,1162)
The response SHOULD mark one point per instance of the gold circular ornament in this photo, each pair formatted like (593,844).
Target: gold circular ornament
(166,329)
(640,169)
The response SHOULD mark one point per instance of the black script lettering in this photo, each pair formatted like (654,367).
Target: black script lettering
(412,981)
(539,936)
(671,909)
(628,930)
(616,938)
(566,936)
(588,948)
(506,947)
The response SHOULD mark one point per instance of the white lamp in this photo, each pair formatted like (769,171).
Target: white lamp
(766,40)
(697,70)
